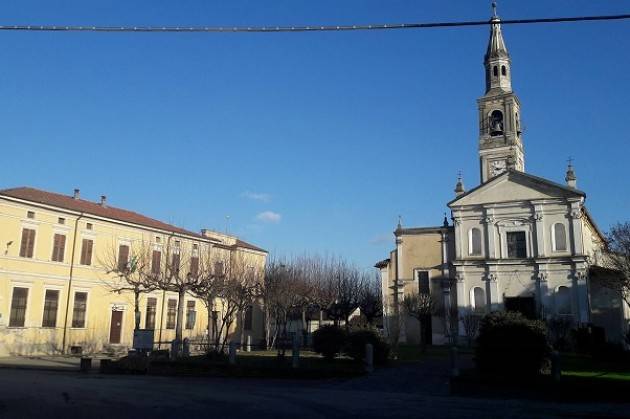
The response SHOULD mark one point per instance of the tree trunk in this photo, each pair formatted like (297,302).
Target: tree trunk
(136,309)
(242,318)
(304,331)
(210,327)
(179,325)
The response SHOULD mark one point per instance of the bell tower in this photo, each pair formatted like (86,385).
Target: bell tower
(500,132)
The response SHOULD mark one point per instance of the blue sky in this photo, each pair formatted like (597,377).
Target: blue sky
(310,142)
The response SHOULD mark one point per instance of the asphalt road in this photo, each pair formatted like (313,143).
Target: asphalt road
(394,393)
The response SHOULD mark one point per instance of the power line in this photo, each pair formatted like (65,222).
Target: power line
(312,28)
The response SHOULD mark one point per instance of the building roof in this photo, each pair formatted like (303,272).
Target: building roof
(382,264)
(421,230)
(496,44)
(522,175)
(70,203)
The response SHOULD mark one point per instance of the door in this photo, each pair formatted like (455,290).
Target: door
(524,305)
(116,327)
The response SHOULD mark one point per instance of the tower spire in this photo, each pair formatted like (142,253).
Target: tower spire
(497,58)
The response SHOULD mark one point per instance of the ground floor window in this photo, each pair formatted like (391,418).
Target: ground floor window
(149,322)
(191,315)
(171,314)
(79,309)
(18,307)
(51,304)
(563,300)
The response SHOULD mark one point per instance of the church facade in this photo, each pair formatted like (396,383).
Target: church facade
(517,241)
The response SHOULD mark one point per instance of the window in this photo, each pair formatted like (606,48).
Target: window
(149,322)
(218,268)
(28,243)
(194,266)
(495,71)
(423,282)
(478,300)
(51,303)
(18,307)
(171,314)
(59,247)
(191,314)
(249,312)
(175,263)
(123,257)
(86,252)
(516,244)
(563,300)
(61,221)
(155,262)
(474,242)
(496,122)
(79,309)
(158,239)
(503,70)
(559,235)
(30,214)
(89,226)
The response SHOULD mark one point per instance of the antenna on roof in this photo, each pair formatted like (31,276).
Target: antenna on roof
(227,223)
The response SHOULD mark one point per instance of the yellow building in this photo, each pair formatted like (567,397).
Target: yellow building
(56,294)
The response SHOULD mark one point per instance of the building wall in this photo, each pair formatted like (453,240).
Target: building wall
(40,273)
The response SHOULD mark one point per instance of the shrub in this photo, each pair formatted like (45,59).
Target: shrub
(355,346)
(328,341)
(559,332)
(509,344)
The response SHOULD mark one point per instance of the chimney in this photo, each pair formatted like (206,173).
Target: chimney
(103,202)
(76,194)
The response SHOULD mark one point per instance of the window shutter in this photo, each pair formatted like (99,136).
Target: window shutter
(155,263)
(123,256)
(194,266)
(31,243)
(86,252)
(24,243)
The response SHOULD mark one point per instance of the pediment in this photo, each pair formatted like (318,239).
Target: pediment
(515,186)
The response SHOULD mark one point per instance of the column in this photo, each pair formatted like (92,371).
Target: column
(540,232)
(490,239)
(400,293)
(582,296)
(462,301)
(576,229)
(542,294)
(493,291)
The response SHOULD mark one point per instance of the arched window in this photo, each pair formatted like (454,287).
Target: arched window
(503,71)
(478,299)
(559,236)
(495,71)
(496,122)
(474,242)
(563,300)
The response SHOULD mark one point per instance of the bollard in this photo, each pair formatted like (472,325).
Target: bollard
(369,358)
(295,362)
(249,343)
(556,370)
(232,353)
(186,348)
(454,362)
(86,364)
(174,349)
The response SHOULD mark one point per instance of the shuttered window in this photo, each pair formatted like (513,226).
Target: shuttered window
(171,314)
(194,266)
(156,260)
(149,322)
(59,247)
(51,304)
(191,314)
(86,252)
(28,243)
(79,309)
(123,257)
(18,307)
(175,263)
(219,268)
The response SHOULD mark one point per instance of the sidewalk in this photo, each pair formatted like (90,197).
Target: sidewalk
(44,363)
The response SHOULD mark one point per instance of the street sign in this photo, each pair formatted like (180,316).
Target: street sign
(143,339)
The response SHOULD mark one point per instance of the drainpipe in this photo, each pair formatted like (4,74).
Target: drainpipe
(74,243)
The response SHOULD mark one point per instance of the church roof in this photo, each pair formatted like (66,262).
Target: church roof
(496,44)
(517,175)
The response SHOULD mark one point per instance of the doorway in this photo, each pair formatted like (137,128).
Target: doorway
(524,305)
(115,330)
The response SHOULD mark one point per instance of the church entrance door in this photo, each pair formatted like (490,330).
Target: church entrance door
(524,305)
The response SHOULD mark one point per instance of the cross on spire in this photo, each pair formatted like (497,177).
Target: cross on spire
(494,9)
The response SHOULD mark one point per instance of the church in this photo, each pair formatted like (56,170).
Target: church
(517,241)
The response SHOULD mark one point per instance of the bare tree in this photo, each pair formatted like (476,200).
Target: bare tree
(420,306)
(617,258)
(470,323)
(131,268)
(371,299)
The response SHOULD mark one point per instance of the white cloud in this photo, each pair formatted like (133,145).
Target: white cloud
(256,196)
(269,217)
(381,239)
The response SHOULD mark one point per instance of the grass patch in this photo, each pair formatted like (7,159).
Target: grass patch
(585,366)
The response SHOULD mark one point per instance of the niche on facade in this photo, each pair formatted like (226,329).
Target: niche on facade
(496,123)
